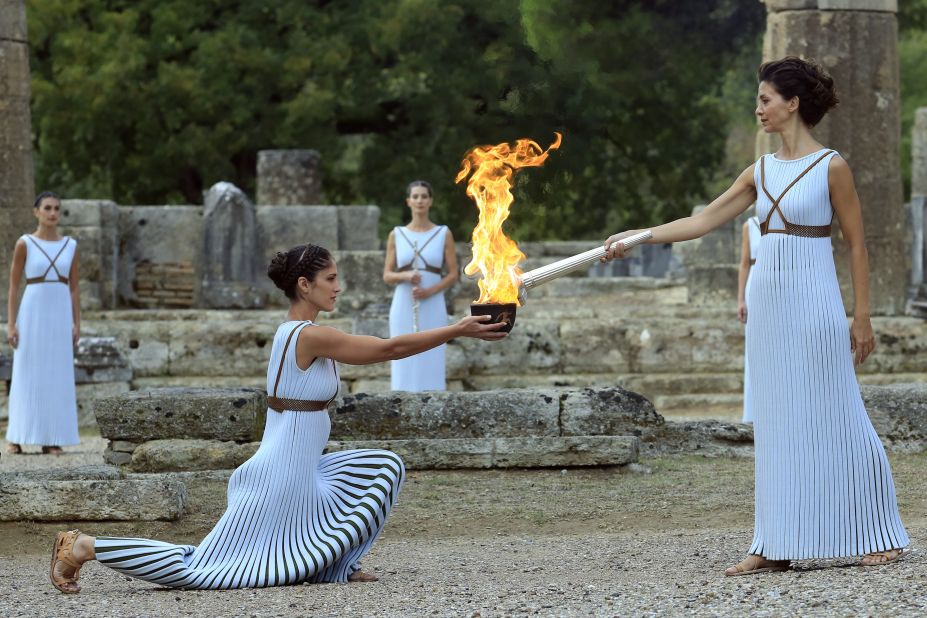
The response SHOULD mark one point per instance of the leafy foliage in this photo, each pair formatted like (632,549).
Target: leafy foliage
(152,101)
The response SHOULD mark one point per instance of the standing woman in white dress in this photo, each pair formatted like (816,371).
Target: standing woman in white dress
(294,515)
(749,248)
(824,488)
(43,330)
(417,257)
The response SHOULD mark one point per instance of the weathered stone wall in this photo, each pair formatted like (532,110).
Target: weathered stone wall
(856,41)
(16,175)
(138,255)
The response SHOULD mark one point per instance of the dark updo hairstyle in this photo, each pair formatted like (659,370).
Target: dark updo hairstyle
(43,196)
(805,79)
(301,261)
(419,183)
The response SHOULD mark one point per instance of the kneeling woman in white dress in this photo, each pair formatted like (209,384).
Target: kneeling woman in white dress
(43,330)
(294,515)
(417,256)
(824,488)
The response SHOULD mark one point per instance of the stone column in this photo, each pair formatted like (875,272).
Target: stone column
(16,179)
(857,42)
(289,178)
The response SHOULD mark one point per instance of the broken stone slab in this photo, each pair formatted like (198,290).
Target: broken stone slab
(606,411)
(90,496)
(536,452)
(235,414)
(401,415)
(899,414)
(182,455)
(228,261)
(99,359)
(418,454)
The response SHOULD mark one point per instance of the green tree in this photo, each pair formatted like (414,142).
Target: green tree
(912,52)
(152,101)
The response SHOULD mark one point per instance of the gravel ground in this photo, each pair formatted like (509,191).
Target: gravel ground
(599,542)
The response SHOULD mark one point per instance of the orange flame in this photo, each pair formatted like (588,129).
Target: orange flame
(495,255)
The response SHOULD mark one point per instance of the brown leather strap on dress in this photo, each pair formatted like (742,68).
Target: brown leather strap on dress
(793,229)
(428,267)
(418,254)
(42,279)
(752,262)
(51,264)
(279,404)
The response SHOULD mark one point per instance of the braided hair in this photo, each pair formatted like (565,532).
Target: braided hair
(287,267)
(806,79)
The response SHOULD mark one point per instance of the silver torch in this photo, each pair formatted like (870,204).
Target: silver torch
(538,276)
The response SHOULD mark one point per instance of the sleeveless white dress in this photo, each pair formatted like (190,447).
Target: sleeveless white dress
(294,515)
(823,484)
(43,399)
(424,371)
(753,239)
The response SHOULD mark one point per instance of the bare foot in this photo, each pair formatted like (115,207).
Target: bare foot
(14,449)
(881,557)
(756,564)
(361,576)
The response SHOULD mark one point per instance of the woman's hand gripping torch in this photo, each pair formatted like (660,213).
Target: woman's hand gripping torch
(536,277)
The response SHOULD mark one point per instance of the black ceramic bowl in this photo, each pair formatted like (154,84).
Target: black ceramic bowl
(500,312)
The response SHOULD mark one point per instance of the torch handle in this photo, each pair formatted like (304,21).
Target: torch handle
(559,268)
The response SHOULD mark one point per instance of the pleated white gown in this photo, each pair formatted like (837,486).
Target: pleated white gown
(43,398)
(294,515)
(424,371)
(753,231)
(823,484)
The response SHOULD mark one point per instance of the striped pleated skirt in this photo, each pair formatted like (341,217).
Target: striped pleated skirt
(294,516)
(824,488)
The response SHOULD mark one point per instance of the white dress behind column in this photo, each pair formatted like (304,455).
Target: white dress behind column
(425,371)
(43,399)
(753,238)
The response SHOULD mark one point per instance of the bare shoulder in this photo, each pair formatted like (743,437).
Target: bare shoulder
(448,235)
(838,170)
(746,176)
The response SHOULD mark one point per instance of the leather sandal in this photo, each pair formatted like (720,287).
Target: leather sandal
(14,449)
(878,558)
(756,564)
(62,551)
(52,450)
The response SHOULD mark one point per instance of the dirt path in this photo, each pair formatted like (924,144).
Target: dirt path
(543,542)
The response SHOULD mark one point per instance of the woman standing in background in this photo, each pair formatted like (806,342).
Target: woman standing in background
(417,255)
(43,331)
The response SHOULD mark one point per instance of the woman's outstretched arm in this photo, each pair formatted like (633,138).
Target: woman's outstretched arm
(363,349)
(728,205)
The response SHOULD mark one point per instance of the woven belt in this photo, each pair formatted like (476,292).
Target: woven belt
(33,280)
(279,404)
(431,269)
(793,229)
